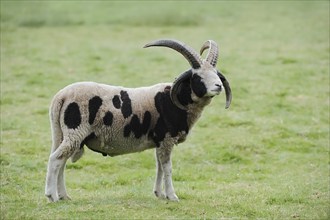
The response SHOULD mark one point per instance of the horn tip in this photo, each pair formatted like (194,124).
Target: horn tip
(228,104)
(146,46)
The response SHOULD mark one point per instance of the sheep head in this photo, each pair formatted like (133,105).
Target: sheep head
(205,80)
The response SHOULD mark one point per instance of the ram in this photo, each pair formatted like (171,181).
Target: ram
(114,120)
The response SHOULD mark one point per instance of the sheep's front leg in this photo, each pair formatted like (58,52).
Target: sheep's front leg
(159,179)
(164,156)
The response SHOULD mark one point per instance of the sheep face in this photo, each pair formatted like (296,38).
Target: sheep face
(206,83)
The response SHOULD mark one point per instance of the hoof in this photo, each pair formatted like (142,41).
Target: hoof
(52,198)
(172,198)
(66,197)
(159,195)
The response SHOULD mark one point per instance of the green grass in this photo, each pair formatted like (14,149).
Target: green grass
(265,157)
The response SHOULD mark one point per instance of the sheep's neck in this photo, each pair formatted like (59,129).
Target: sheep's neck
(195,111)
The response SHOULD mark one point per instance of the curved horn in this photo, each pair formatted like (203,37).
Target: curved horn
(192,57)
(225,84)
(212,55)
(175,87)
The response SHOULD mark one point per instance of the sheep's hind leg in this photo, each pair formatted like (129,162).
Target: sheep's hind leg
(61,190)
(55,171)
(164,156)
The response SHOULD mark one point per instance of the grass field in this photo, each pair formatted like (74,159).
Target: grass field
(265,157)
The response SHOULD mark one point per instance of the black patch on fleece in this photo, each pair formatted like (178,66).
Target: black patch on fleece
(108,118)
(126,107)
(104,154)
(167,88)
(136,127)
(89,137)
(171,120)
(72,116)
(93,107)
(198,86)
(116,102)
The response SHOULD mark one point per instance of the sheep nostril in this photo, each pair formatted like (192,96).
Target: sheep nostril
(219,86)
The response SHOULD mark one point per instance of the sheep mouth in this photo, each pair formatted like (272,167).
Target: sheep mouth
(214,92)
(217,91)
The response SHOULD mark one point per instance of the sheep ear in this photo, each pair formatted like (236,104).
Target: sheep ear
(176,87)
(227,89)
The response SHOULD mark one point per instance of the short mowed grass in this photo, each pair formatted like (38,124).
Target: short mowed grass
(267,156)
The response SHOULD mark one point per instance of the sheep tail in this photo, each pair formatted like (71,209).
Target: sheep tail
(54,114)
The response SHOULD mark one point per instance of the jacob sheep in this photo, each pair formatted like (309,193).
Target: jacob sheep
(114,120)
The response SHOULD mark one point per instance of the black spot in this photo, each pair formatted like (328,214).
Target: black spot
(107,119)
(136,127)
(126,108)
(72,117)
(127,130)
(146,122)
(198,86)
(167,88)
(116,102)
(104,154)
(151,134)
(93,107)
(133,125)
(89,137)
(172,119)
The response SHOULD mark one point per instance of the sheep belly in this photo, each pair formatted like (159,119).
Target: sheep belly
(119,147)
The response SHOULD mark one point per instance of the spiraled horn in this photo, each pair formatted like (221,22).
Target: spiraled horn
(192,57)
(227,89)
(212,55)
(176,87)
